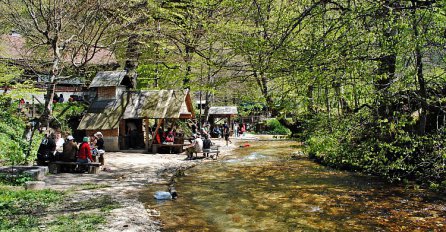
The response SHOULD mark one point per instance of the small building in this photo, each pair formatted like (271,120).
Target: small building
(116,109)
(219,113)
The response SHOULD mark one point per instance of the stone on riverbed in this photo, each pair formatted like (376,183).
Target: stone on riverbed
(298,155)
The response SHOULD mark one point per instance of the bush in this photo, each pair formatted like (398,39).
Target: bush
(276,128)
(384,148)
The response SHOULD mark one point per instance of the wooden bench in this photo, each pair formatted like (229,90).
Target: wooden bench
(55,166)
(179,147)
(213,152)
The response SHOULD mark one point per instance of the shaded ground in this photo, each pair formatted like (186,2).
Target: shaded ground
(119,185)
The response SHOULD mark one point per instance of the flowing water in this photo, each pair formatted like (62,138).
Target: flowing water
(261,188)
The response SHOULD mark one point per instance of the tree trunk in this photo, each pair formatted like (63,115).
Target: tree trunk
(420,75)
(46,116)
(132,55)
(310,106)
(327,104)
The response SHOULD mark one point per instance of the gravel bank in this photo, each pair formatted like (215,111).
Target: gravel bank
(124,176)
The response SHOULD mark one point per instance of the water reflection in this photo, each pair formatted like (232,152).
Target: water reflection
(262,189)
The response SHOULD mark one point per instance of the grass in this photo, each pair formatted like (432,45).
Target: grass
(20,210)
(77,222)
(89,186)
(50,210)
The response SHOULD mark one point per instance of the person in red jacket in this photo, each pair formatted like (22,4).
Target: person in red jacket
(84,154)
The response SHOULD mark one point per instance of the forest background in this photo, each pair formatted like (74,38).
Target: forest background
(361,83)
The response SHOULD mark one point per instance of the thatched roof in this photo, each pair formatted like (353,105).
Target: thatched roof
(223,110)
(103,115)
(63,80)
(108,78)
(157,104)
(106,114)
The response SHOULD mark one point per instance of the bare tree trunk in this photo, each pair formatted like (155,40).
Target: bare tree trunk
(327,103)
(420,75)
(132,55)
(310,106)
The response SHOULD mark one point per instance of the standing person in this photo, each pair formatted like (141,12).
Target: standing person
(194,128)
(61,99)
(203,132)
(84,154)
(243,129)
(236,129)
(226,133)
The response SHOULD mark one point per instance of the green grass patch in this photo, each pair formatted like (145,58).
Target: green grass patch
(77,222)
(90,186)
(20,210)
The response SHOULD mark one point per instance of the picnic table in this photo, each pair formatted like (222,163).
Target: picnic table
(172,147)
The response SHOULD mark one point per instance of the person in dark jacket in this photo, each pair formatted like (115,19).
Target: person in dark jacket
(99,141)
(69,150)
(46,150)
(206,145)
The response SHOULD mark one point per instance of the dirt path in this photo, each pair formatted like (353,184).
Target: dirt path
(124,176)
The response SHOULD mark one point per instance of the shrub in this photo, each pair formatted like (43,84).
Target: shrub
(275,127)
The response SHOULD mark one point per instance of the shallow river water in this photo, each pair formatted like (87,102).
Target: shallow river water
(261,188)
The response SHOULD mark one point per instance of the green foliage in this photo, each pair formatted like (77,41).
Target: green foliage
(18,180)
(276,128)
(77,222)
(68,114)
(20,209)
(384,149)
(14,147)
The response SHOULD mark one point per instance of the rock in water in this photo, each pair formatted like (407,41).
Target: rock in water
(161,195)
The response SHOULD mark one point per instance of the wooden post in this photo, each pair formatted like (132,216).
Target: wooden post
(156,131)
(146,135)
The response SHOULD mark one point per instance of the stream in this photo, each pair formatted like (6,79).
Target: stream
(262,188)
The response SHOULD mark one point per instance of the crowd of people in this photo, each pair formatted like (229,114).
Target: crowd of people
(55,148)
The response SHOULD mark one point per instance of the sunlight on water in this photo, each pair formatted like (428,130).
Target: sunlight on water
(263,189)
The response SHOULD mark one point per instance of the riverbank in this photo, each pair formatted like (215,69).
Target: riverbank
(125,175)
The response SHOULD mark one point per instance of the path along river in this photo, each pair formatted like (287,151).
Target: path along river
(261,188)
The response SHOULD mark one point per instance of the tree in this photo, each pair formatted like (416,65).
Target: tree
(65,32)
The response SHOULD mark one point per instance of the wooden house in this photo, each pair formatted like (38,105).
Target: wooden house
(219,113)
(115,107)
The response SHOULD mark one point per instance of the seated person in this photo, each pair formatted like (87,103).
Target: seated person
(99,141)
(206,145)
(84,154)
(216,131)
(69,150)
(59,145)
(46,150)
(195,147)
(170,137)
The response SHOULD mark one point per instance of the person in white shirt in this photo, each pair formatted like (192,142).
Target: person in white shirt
(59,141)
(195,147)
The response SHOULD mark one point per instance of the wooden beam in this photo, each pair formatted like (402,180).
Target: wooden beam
(160,121)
